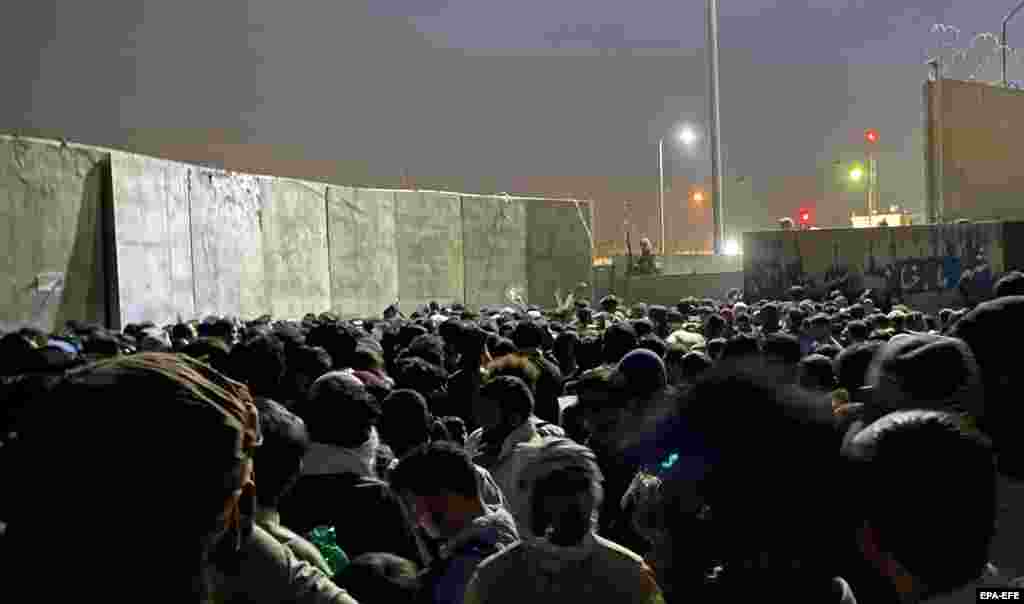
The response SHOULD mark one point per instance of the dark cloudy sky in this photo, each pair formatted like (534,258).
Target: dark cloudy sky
(544,96)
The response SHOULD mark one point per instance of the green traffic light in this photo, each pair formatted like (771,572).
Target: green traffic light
(856,173)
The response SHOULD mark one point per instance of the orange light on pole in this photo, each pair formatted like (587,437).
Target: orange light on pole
(698,197)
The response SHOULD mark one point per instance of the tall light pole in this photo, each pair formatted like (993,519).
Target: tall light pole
(1002,40)
(661,190)
(717,192)
(871,139)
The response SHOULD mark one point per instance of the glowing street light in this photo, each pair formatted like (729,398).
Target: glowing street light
(688,136)
(698,197)
(732,248)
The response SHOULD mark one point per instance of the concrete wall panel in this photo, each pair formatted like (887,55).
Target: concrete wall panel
(494,233)
(669,289)
(227,243)
(51,245)
(975,134)
(558,249)
(119,238)
(363,254)
(295,248)
(153,258)
(919,264)
(430,248)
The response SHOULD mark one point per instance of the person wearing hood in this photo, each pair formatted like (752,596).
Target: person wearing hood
(561,558)
(202,443)
(919,372)
(440,486)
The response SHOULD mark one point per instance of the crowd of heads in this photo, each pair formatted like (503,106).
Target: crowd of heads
(806,448)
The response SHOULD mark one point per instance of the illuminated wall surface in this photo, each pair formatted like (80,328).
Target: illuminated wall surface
(974,166)
(920,264)
(112,237)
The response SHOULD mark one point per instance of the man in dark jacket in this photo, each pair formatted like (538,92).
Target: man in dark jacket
(903,492)
(529,338)
(441,486)
(339,487)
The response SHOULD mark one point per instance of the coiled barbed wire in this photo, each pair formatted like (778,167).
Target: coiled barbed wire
(973,60)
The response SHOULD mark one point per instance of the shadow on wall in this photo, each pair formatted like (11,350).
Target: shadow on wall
(55,268)
(84,274)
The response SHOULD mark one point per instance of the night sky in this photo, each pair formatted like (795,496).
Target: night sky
(550,97)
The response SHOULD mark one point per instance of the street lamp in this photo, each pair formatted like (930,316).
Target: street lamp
(688,136)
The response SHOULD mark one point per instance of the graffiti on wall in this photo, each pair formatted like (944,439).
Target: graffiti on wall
(933,261)
(918,275)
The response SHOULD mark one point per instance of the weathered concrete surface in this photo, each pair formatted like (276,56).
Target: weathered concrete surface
(430,248)
(974,149)
(153,259)
(51,244)
(558,249)
(363,253)
(227,243)
(115,237)
(295,247)
(669,289)
(494,235)
(921,265)
(689,264)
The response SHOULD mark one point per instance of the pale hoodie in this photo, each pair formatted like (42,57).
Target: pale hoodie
(539,572)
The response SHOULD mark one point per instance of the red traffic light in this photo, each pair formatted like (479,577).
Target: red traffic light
(805,216)
(871,136)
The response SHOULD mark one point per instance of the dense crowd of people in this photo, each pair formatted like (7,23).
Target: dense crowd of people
(825,450)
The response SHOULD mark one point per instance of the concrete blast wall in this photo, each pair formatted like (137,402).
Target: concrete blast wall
(429,239)
(921,265)
(228,262)
(665,289)
(494,245)
(556,233)
(118,238)
(974,142)
(363,245)
(295,248)
(51,240)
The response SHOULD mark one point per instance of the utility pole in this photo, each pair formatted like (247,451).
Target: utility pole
(717,191)
(661,190)
(871,139)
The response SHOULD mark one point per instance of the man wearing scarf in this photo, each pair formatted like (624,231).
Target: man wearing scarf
(187,513)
